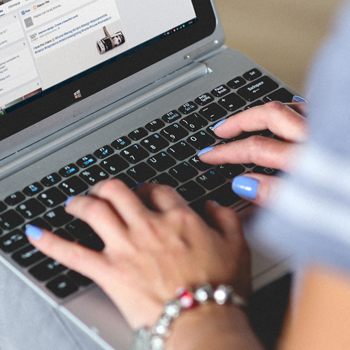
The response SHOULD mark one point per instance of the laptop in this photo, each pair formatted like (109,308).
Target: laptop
(91,90)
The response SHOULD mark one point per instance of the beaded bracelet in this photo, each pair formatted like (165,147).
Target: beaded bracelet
(153,339)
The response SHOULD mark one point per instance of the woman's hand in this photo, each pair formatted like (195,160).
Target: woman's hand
(283,120)
(154,243)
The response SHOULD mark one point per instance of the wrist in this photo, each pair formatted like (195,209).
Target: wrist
(210,326)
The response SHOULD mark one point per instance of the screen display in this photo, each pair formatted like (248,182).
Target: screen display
(47,45)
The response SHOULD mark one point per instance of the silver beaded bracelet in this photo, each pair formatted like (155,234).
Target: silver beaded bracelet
(153,339)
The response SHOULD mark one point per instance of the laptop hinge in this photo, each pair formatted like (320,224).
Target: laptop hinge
(212,46)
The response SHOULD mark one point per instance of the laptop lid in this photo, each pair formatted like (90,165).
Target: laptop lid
(62,61)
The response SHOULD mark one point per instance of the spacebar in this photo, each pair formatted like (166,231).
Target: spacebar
(222,195)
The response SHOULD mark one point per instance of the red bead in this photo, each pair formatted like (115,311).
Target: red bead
(187,300)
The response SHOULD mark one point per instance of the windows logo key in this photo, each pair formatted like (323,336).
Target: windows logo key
(77,94)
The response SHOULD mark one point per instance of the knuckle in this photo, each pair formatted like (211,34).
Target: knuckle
(275,106)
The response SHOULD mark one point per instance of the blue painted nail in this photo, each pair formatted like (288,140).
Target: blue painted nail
(245,186)
(299,99)
(205,150)
(34,232)
(68,200)
(218,124)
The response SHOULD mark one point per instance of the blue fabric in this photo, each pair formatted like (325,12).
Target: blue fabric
(310,216)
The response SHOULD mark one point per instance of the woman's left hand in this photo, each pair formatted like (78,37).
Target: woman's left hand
(154,243)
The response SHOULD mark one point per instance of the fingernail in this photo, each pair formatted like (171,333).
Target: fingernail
(68,200)
(299,99)
(205,150)
(245,186)
(218,124)
(217,203)
(34,232)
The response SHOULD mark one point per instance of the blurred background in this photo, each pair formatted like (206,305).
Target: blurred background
(283,36)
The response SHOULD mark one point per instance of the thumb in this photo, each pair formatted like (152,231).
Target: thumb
(256,188)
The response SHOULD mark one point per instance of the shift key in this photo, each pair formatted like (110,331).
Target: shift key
(257,89)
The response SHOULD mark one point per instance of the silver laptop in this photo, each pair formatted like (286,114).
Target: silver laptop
(91,90)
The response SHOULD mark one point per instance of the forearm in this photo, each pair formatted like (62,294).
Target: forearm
(212,326)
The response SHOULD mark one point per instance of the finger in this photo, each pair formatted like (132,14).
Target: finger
(257,188)
(101,217)
(280,119)
(121,198)
(69,254)
(160,197)
(300,107)
(260,150)
(223,219)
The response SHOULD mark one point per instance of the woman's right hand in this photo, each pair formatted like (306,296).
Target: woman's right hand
(286,121)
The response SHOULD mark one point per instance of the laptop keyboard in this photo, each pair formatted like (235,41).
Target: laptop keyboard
(163,151)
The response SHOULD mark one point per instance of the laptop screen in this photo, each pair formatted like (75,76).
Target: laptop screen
(48,46)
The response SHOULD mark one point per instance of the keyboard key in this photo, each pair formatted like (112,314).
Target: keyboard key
(213,112)
(38,222)
(52,197)
(265,171)
(236,83)
(3,207)
(64,234)
(32,189)
(93,242)
(193,122)
(191,191)
(165,179)
(252,74)
(15,198)
(68,170)
(134,154)
(73,186)
(210,180)
(230,170)
(220,91)
(154,143)
(281,95)
(183,172)
(188,108)
(30,209)
(174,132)
(204,99)
(51,180)
(222,195)
(27,256)
(141,172)
(154,125)
(13,241)
(46,270)
(201,140)
(79,279)
(198,164)
(171,116)
(103,152)
(127,180)
(86,161)
(232,102)
(161,161)
(57,217)
(10,219)
(114,164)
(181,150)
(121,143)
(94,175)
(62,286)
(79,229)
(138,134)
(254,104)
(257,89)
